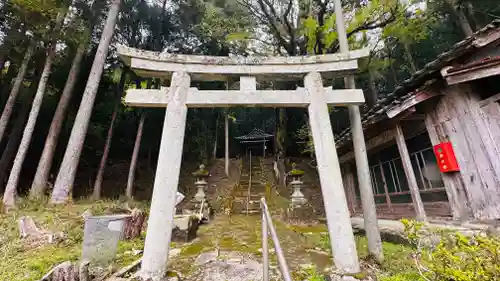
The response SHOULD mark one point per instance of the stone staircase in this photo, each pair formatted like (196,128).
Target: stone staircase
(251,187)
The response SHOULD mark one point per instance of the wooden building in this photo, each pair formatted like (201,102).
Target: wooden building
(455,99)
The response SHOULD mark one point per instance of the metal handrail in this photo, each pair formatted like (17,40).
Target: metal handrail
(267,226)
(249,181)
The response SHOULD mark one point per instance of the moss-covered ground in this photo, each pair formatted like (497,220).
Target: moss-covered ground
(303,245)
(23,261)
(306,248)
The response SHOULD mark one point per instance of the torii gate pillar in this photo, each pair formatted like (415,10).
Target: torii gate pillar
(337,212)
(362,166)
(160,222)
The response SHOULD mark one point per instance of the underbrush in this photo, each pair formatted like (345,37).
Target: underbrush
(433,255)
(21,260)
(444,255)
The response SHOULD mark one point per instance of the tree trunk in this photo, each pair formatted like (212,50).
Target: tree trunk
(214,154)
(6,81)
(104,158)
(109,137)
(393,71)
(133,227)
(464,23)
(3,58)
(45,163)
(373,94)
(472,16)
(461,17)
(66,175)
(9,106)
(135,155)
(15,172)
(281,134)
(14,137)
(409,56)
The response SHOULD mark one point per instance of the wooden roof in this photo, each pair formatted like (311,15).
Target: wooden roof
(255,134)
(425,76)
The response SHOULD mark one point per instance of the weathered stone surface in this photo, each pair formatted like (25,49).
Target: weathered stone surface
(179,96)
(160,222)
(86,214)
(264,98)
(227,266)
(337,277)
(304,213)
(124,51)
(194,207)
(185,228)
(206,257)
(220,270)
(157,64)
(391,231)
(34,236)
(337,213)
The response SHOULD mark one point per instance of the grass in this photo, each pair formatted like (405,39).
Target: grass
(20,261)
(398,264)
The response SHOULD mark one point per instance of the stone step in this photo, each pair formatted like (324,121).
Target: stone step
(250,212)
(242,205)
(245,184)
(255,200)
(244,193)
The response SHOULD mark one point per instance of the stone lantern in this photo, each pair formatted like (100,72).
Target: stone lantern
(298,198)
(201,184)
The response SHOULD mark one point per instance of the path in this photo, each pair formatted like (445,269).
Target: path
(251,187)
(242,234)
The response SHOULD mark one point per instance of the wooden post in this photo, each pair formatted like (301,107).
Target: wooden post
(453,183)
(339,224)
(410,174)
(349,187)
(363,169)
(160,223)
(386,189)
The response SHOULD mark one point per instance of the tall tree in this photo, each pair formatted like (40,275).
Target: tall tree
(135,154)
(109,137)
(81,25)
(9,106)
(45,163)
(15,136)
(457,10)
(67,171)
(15,172)
(35,20)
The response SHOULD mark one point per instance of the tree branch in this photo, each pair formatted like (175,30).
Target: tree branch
(272,24)
(370,25)
(291,31)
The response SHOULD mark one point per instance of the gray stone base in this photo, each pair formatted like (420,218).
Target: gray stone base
(302,213)
(226,266)
(193,208)
(185,228)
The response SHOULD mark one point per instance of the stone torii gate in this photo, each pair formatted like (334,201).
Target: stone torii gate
(182,69)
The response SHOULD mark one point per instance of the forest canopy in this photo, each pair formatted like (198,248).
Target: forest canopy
(49,50)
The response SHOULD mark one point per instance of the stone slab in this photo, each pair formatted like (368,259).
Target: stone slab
(249,98)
